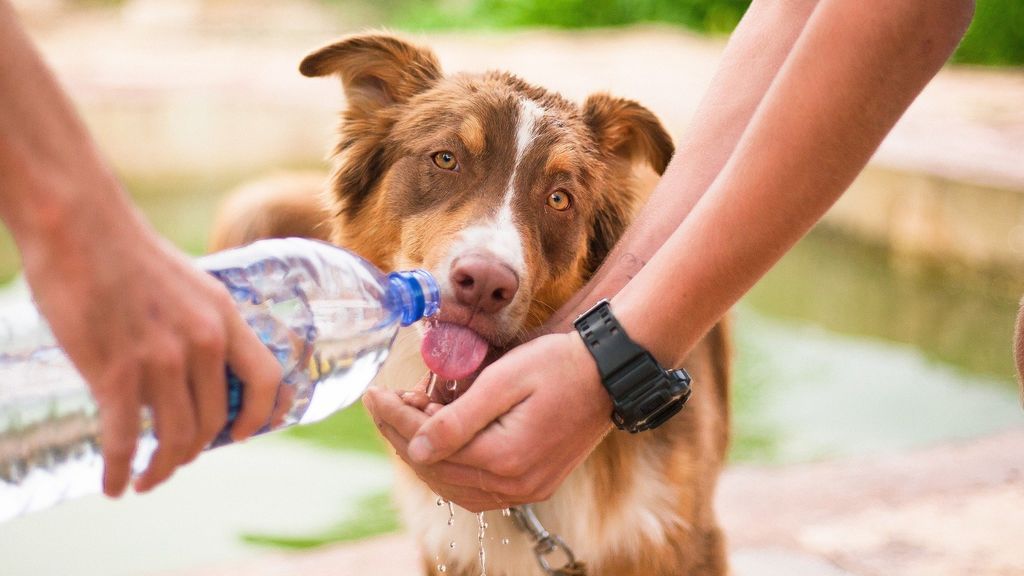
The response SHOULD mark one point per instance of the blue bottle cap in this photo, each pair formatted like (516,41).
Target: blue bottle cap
(417,294)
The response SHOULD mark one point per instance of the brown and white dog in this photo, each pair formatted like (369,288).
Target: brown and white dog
(511,196)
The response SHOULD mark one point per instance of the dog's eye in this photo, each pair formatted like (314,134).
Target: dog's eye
(445,160)
(560,200)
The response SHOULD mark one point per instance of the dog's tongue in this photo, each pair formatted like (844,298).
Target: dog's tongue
(452,351)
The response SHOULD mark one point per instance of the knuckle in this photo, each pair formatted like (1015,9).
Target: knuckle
(211,425)
(221,299)
(208,336)
(269,379)
(167,357)
(180,443)
(180,439)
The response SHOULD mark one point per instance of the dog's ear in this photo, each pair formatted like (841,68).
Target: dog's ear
(376,70)
(625,129)
(626,133)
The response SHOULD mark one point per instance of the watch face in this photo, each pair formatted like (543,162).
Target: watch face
(660,398)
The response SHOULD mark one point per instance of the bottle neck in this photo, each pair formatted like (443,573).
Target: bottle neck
(416,294)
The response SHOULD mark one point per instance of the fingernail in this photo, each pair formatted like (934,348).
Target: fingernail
(420,449)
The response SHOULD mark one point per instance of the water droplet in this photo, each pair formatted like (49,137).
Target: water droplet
(452,385)
(506,512)
(504,540)
(430,386)
(440,501)
(442,568)
(480,542)
(451,521)
(451,544)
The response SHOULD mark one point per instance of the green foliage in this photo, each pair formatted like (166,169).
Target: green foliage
(996,36)
(376,515)
(350,429)
(716,16)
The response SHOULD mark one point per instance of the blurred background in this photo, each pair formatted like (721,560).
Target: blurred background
(879,350)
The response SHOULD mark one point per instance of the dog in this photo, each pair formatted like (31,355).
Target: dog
(511,196)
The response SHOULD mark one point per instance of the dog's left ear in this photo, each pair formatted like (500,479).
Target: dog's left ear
(626,133)
(627,130)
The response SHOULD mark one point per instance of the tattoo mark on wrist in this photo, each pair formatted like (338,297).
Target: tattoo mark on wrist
(631,264)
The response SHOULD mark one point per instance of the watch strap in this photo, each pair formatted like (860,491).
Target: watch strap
(643,394)
(608,343)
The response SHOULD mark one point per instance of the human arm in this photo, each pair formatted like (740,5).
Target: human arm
(751,59)
(852,71)
(141,323)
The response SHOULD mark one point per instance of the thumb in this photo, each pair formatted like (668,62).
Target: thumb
(452,427)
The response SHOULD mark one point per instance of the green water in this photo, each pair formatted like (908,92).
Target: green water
(842,350)
(959,318)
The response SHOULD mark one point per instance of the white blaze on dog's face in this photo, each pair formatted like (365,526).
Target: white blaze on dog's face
(508,194)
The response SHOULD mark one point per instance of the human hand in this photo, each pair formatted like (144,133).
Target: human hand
(527,421)
(145,327)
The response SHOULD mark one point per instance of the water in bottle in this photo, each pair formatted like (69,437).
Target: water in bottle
(328,316)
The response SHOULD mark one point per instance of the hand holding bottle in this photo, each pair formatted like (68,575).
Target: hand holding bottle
(139,321)
(145,328)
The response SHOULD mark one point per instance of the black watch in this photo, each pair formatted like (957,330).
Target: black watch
(644,394)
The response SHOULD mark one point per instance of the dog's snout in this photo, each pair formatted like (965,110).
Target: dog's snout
(483,283)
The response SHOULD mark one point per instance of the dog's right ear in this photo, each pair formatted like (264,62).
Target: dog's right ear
(376,70)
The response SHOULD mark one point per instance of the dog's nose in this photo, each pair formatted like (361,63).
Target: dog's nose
(483,283)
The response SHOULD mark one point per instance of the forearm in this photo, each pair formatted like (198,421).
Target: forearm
(49,166)
(854,70)
(752,58)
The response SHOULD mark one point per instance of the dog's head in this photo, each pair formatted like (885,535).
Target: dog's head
(509,194)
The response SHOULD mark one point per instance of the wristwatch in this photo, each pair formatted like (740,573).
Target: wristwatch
(644,394)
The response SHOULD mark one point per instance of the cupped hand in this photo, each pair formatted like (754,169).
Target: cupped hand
(527,421)
(145,327)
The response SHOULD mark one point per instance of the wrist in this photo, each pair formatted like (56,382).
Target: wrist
(593,390)
(64,219)
(40,193)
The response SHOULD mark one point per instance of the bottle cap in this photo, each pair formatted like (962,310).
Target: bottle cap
(417,294)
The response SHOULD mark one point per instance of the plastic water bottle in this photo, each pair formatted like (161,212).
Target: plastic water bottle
(329,316)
